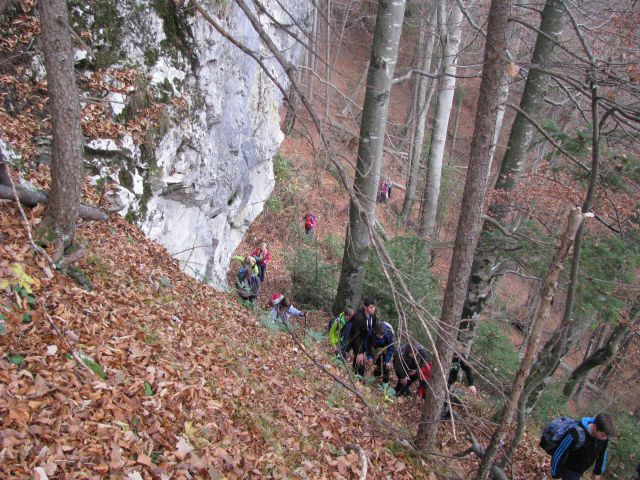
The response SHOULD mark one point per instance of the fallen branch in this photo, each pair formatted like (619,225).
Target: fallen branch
(5,176)
(33,197)
(476,447)
(363,459)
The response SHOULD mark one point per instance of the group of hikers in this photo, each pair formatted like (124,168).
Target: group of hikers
(372,342)
(575,446)
(252,272)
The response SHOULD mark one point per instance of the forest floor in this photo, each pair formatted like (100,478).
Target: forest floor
(149,374)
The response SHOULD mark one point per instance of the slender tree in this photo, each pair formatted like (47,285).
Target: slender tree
(469,223)
(441,123)
(384,53)
(422,102)
(59,224)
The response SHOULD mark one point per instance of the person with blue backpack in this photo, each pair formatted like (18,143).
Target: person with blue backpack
(380,344)
(575,445)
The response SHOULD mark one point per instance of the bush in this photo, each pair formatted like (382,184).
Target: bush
(282,168)
(623,448)
(314,280)
(274,204)
(410,257)
(334,245)
(494,355)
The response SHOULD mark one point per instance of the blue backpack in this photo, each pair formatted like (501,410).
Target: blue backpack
(555,432)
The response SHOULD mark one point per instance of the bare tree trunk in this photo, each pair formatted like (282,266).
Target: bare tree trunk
(313,54)
(539,318)
(422,105)
(458,98)
(485,261)
(470,219)
(59,224)
(327,66)
(441,124)
(362,214)
(602,354)
(292,108)
(341,38)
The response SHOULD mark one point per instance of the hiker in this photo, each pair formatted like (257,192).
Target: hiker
(411,362)
(389,186)
(457,363)
(363,324)
(382,191)
(283,310)
(380,345)
(309,223)
(577,445)
(339,328)
(247,285)
(248,262)
(263,257)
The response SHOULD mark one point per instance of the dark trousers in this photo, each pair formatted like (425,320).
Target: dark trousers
(381,369)
(358,368)
(261,270)
(571,475)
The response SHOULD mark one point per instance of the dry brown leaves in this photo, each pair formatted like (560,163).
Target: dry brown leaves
(224,402)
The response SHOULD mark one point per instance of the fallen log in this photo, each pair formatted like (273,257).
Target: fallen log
(34,197)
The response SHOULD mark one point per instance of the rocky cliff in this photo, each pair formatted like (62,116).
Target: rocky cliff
(198,177)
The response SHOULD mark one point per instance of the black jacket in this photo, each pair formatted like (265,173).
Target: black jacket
(457,364)
(361,327)
(592,451)
(404,360)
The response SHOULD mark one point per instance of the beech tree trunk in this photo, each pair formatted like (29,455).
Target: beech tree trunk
(470,219)
(539,318)
(441,123)
(422,103)
(486,258)
(59,223)
(362,208)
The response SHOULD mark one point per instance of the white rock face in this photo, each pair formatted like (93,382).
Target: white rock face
(213,170)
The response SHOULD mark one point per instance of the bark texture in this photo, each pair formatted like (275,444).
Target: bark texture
(486,258)
(59,221)
(470,219)
(362,205)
